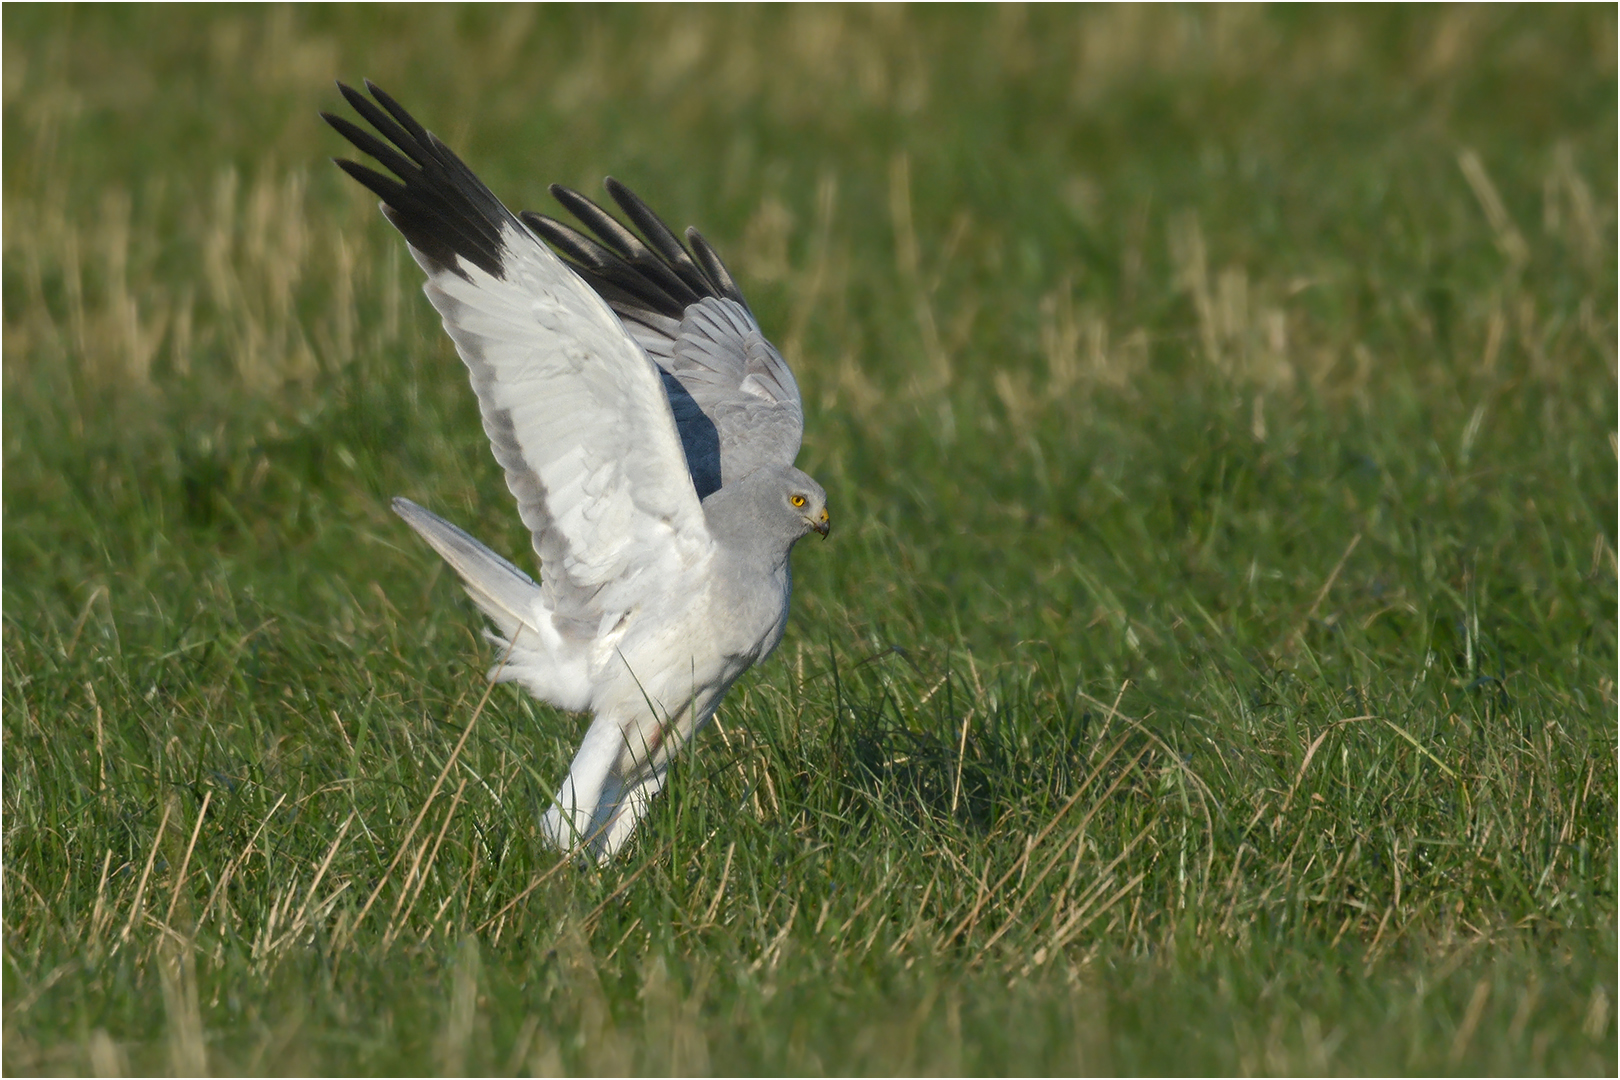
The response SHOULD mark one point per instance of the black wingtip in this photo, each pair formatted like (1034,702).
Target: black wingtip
(446,213)
(716,270)
(647,266)
(353,96)
(443,210)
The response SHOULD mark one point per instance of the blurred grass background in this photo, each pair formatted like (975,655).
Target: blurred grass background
(1213,668)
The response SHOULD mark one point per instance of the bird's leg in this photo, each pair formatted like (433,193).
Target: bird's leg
(632,807)
(574,817)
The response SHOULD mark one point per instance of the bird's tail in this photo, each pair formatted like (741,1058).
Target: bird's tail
(503,592)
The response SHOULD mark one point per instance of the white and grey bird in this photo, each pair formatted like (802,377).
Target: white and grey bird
(648,432)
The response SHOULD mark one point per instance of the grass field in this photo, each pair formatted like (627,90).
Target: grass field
(1212,668)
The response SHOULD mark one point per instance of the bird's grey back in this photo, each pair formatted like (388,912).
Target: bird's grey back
(735,400)
(745,398)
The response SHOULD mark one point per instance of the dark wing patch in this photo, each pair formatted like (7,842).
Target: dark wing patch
(443,210)
(640,276)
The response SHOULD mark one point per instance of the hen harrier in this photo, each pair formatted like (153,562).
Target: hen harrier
(648,432)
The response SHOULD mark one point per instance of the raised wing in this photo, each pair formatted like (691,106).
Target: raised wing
(735,400)
(574,410)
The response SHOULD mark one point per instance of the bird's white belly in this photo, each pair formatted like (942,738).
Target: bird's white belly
(685,662)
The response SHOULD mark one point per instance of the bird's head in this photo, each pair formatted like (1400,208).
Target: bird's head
(808,502)
(774,505)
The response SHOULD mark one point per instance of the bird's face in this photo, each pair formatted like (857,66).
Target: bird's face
(809,503)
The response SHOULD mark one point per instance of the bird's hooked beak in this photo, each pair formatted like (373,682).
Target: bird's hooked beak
(822,525)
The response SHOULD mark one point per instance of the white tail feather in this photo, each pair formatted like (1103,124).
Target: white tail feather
(502,591)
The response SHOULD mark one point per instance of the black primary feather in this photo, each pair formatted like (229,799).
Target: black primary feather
(626,244)
(652,273)
(659,236)
(709,259)
(443,210)
(607,271)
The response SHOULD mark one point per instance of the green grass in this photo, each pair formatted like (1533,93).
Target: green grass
(1212,668)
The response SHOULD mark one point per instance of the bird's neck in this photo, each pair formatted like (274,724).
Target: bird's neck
(742,524)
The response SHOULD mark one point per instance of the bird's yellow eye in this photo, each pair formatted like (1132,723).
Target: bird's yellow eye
(798,500)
